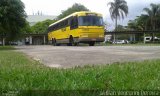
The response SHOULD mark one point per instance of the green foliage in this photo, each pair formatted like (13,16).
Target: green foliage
(148,21)
(118,9)
(41,27)
(75,8)
(27,29)
(121,28)
(143,22)
(140,23)
(12,18)
(153,14)
(132,25)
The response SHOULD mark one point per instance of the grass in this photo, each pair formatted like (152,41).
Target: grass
(6,48)
(136,44)
(17,72)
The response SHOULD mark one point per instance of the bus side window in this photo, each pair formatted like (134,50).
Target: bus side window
(71,23)
(74,23)
(66,23)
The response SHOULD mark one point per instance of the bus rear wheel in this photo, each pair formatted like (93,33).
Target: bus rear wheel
(54,42)
(91,43)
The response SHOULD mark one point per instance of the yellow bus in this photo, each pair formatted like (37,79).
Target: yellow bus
(79,27)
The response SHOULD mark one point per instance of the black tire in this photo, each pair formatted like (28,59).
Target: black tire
(71,41)
(91,43)
(54,43)
(76,44)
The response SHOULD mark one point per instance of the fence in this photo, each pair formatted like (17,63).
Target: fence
(134,34)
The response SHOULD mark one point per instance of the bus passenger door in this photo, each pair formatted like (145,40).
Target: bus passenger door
(74,26)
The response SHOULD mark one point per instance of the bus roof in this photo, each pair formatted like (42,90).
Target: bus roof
(81,13)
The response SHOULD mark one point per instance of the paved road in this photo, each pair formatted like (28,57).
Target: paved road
(67,57)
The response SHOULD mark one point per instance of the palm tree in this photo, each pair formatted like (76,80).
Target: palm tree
(153,14)
(142,22)
(118,9)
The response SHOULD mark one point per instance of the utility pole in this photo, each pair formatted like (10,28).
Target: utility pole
(3,41)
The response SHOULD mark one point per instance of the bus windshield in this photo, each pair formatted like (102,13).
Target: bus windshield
(90,21)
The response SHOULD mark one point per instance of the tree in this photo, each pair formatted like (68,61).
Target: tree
(75,8)
(121,28)
(153,12)
(158,23)
(118,9)
(41,27)
(12,18)
(132,25)
(149,21)
(27,29)
(140,23)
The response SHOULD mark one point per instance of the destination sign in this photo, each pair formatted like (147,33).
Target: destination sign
(91,14)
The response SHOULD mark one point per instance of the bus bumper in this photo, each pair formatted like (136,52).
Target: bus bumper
(85,40)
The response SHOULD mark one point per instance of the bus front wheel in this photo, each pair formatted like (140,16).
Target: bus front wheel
(71,41)
(91,43)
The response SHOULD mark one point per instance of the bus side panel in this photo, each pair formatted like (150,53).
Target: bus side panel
(49,36)
(59,34)
(74,33)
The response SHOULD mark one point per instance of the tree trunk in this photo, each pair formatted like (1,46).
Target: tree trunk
(154,28)
(116,23)
(153,24)
(3,41)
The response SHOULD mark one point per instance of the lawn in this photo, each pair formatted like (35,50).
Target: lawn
(18,72)
(136,44)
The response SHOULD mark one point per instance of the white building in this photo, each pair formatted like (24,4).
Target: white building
(36,39)
(33,19)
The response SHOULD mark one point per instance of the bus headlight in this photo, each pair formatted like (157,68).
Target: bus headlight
(101,35)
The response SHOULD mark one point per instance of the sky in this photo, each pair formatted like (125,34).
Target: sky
(55,7)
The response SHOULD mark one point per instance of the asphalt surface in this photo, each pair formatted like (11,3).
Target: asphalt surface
(69,56)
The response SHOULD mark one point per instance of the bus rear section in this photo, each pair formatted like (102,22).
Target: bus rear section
(91,29)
